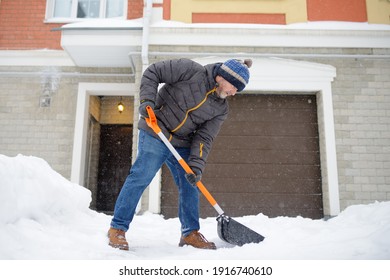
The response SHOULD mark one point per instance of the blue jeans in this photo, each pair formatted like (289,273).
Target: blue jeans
(152,154)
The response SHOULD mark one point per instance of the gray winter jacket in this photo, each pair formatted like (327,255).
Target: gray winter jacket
(188,111)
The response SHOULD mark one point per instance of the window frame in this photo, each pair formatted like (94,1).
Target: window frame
(49,18)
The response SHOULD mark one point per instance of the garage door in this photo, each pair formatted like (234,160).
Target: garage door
(265,160)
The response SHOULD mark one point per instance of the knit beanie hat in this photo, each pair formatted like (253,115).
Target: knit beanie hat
(235,72)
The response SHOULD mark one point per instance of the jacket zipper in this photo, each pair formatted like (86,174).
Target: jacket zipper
(193,109)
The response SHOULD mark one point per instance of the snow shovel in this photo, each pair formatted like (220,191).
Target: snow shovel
(229,230)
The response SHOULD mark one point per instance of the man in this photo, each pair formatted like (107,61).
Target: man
(190,108)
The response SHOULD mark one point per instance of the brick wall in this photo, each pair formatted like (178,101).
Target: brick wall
(22,25)
(362,122)
(135,9)
(31,130)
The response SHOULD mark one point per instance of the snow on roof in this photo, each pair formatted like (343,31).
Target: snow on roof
(105,23)
(314,25)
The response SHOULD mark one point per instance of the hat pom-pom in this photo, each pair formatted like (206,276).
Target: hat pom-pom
(248,62)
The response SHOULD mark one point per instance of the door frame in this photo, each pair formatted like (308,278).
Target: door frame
(85,90)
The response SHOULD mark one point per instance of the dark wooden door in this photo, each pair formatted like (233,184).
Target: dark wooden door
(114,164)
(265,160)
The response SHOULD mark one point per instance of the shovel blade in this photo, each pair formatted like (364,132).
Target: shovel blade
(233,232)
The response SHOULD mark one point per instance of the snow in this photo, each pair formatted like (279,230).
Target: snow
(106,23)
(43,216)
(310,25)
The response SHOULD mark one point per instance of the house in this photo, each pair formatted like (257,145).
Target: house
(309,136)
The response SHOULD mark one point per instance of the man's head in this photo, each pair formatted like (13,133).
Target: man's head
(232,76)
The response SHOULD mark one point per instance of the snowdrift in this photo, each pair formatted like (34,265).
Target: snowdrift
(30,189)
(44,216)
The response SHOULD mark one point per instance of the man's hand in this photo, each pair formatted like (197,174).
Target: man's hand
(194,178)
(142,107)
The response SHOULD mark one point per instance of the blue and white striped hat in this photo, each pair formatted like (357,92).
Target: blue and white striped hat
(236,72)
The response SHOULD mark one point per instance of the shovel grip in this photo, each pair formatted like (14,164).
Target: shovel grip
(152,120)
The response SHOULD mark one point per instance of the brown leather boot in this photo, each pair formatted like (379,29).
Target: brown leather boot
(197,240)
(117,239)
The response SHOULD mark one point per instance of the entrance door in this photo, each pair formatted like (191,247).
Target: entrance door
(114,164)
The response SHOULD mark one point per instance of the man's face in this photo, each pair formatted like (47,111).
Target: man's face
(224,88)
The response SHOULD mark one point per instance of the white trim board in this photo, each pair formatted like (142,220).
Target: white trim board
(85,90)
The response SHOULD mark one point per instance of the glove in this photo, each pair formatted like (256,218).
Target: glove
(194,178)
(142,107)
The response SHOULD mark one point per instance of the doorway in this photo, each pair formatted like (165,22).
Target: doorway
(109,149)
(114,164)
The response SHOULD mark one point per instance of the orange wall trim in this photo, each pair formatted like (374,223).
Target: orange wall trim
(238,18)
(135,9)
(337,10)
(167,10)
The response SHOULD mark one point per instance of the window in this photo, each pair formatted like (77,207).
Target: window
(70,10)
